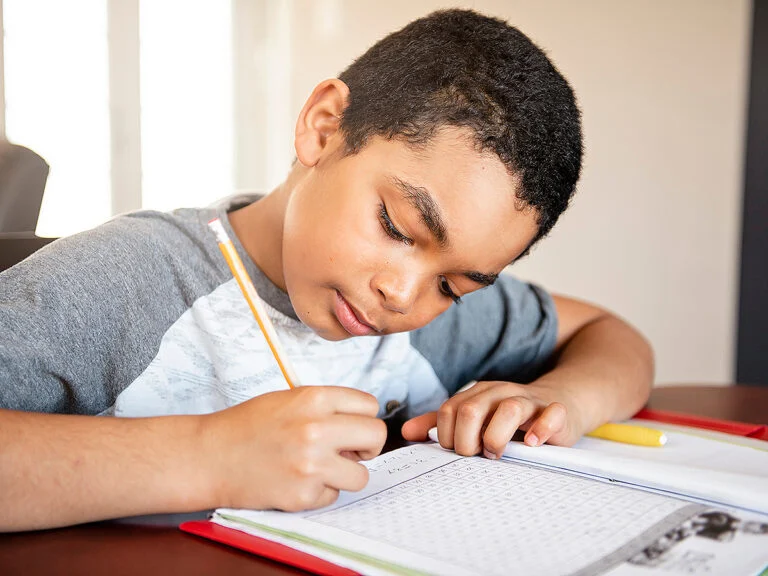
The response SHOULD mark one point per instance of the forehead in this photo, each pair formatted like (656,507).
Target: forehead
(474,193)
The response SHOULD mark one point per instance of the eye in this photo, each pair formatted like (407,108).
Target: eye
(389,227)
(445,289)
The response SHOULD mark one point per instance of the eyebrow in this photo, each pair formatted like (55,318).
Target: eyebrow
(421,199)
(480,278)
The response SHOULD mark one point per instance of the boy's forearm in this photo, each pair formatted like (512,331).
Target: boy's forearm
(57,470)
(604,372)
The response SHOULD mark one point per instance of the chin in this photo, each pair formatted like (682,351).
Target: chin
(332,334)
(330,331)
(334,337)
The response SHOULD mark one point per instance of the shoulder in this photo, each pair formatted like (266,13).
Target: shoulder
(120,256)
(509,328)
(509,302)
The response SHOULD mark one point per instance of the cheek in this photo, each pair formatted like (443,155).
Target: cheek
(425,310)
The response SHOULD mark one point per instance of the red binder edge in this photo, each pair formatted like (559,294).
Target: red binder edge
(265,548)
(759,431)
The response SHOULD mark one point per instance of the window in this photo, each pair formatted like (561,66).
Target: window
(186,102)
(63,101)
(57,104)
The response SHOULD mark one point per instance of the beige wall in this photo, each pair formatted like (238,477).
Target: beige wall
(654,230)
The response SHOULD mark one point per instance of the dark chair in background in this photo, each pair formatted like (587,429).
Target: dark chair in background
(23,174)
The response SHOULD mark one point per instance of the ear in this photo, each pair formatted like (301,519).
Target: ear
(319,119)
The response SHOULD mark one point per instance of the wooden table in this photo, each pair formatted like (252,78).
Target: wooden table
(153,545)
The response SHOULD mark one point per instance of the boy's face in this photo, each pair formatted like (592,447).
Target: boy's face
(380,241)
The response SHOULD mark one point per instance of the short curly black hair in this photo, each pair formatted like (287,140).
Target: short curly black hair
(464,69)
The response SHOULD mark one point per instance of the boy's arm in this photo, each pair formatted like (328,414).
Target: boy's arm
(57,470)
(602,370)
(279,450)
(603,367)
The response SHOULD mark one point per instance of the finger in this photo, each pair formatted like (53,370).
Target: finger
(551,421)
(310,497)
(354,433)
(446,415)
(473,415)
(327,497)
(417,429)
(343,474)
(509,415)
(353,455)
(339,400)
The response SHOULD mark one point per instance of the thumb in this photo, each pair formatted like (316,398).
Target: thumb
(416,429)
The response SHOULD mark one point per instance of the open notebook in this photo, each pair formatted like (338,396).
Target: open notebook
(713,467)
(428,511)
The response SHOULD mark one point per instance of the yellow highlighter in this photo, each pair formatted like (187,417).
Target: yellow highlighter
(630,434)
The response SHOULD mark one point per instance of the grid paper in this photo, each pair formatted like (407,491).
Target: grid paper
(500,517)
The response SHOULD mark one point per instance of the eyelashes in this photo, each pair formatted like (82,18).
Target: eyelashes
(391,230)
(445,288)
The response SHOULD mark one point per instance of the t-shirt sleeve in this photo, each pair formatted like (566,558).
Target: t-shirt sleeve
(507,331)
(82,317)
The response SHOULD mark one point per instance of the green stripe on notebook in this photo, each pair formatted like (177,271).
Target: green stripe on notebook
(295,536)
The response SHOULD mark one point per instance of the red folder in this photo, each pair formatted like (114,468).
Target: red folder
(286,555)
(759,431)
(265,548)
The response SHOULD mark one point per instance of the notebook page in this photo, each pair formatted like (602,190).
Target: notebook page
(722,542)
(690,464)
(431,511)
(697,448)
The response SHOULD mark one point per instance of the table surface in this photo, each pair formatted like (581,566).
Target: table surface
(154,545)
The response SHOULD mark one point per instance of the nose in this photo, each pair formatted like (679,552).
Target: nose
(397,290)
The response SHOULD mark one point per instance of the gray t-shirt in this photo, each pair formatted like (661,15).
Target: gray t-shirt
(141,317)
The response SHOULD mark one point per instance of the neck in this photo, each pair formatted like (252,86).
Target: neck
(259,227)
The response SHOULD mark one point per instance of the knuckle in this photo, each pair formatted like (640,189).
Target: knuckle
(332,496)
(313,397)
(305,498)
(545,427)
(554,417)
(511,406)
(559,409)
(469,411)
(446,411)
(311,433)
(306,468)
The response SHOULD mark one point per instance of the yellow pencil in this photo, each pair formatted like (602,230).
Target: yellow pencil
(630,434)
(254,302)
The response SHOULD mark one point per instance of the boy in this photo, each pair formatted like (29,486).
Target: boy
(434,161)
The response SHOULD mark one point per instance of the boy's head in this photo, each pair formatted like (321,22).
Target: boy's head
(459,68)
(435,160)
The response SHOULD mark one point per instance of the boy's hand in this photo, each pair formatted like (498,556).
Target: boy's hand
(486,416)
(287,450)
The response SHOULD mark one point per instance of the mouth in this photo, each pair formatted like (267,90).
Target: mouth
(350,319)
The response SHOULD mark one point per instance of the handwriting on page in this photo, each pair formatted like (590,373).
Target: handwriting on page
(401,460)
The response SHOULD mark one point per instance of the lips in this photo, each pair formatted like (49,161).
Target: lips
(350,319)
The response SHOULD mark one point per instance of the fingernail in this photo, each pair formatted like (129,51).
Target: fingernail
(488,454)
(532,440)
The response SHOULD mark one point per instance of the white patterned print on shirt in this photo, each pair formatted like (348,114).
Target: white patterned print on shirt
(215,356)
